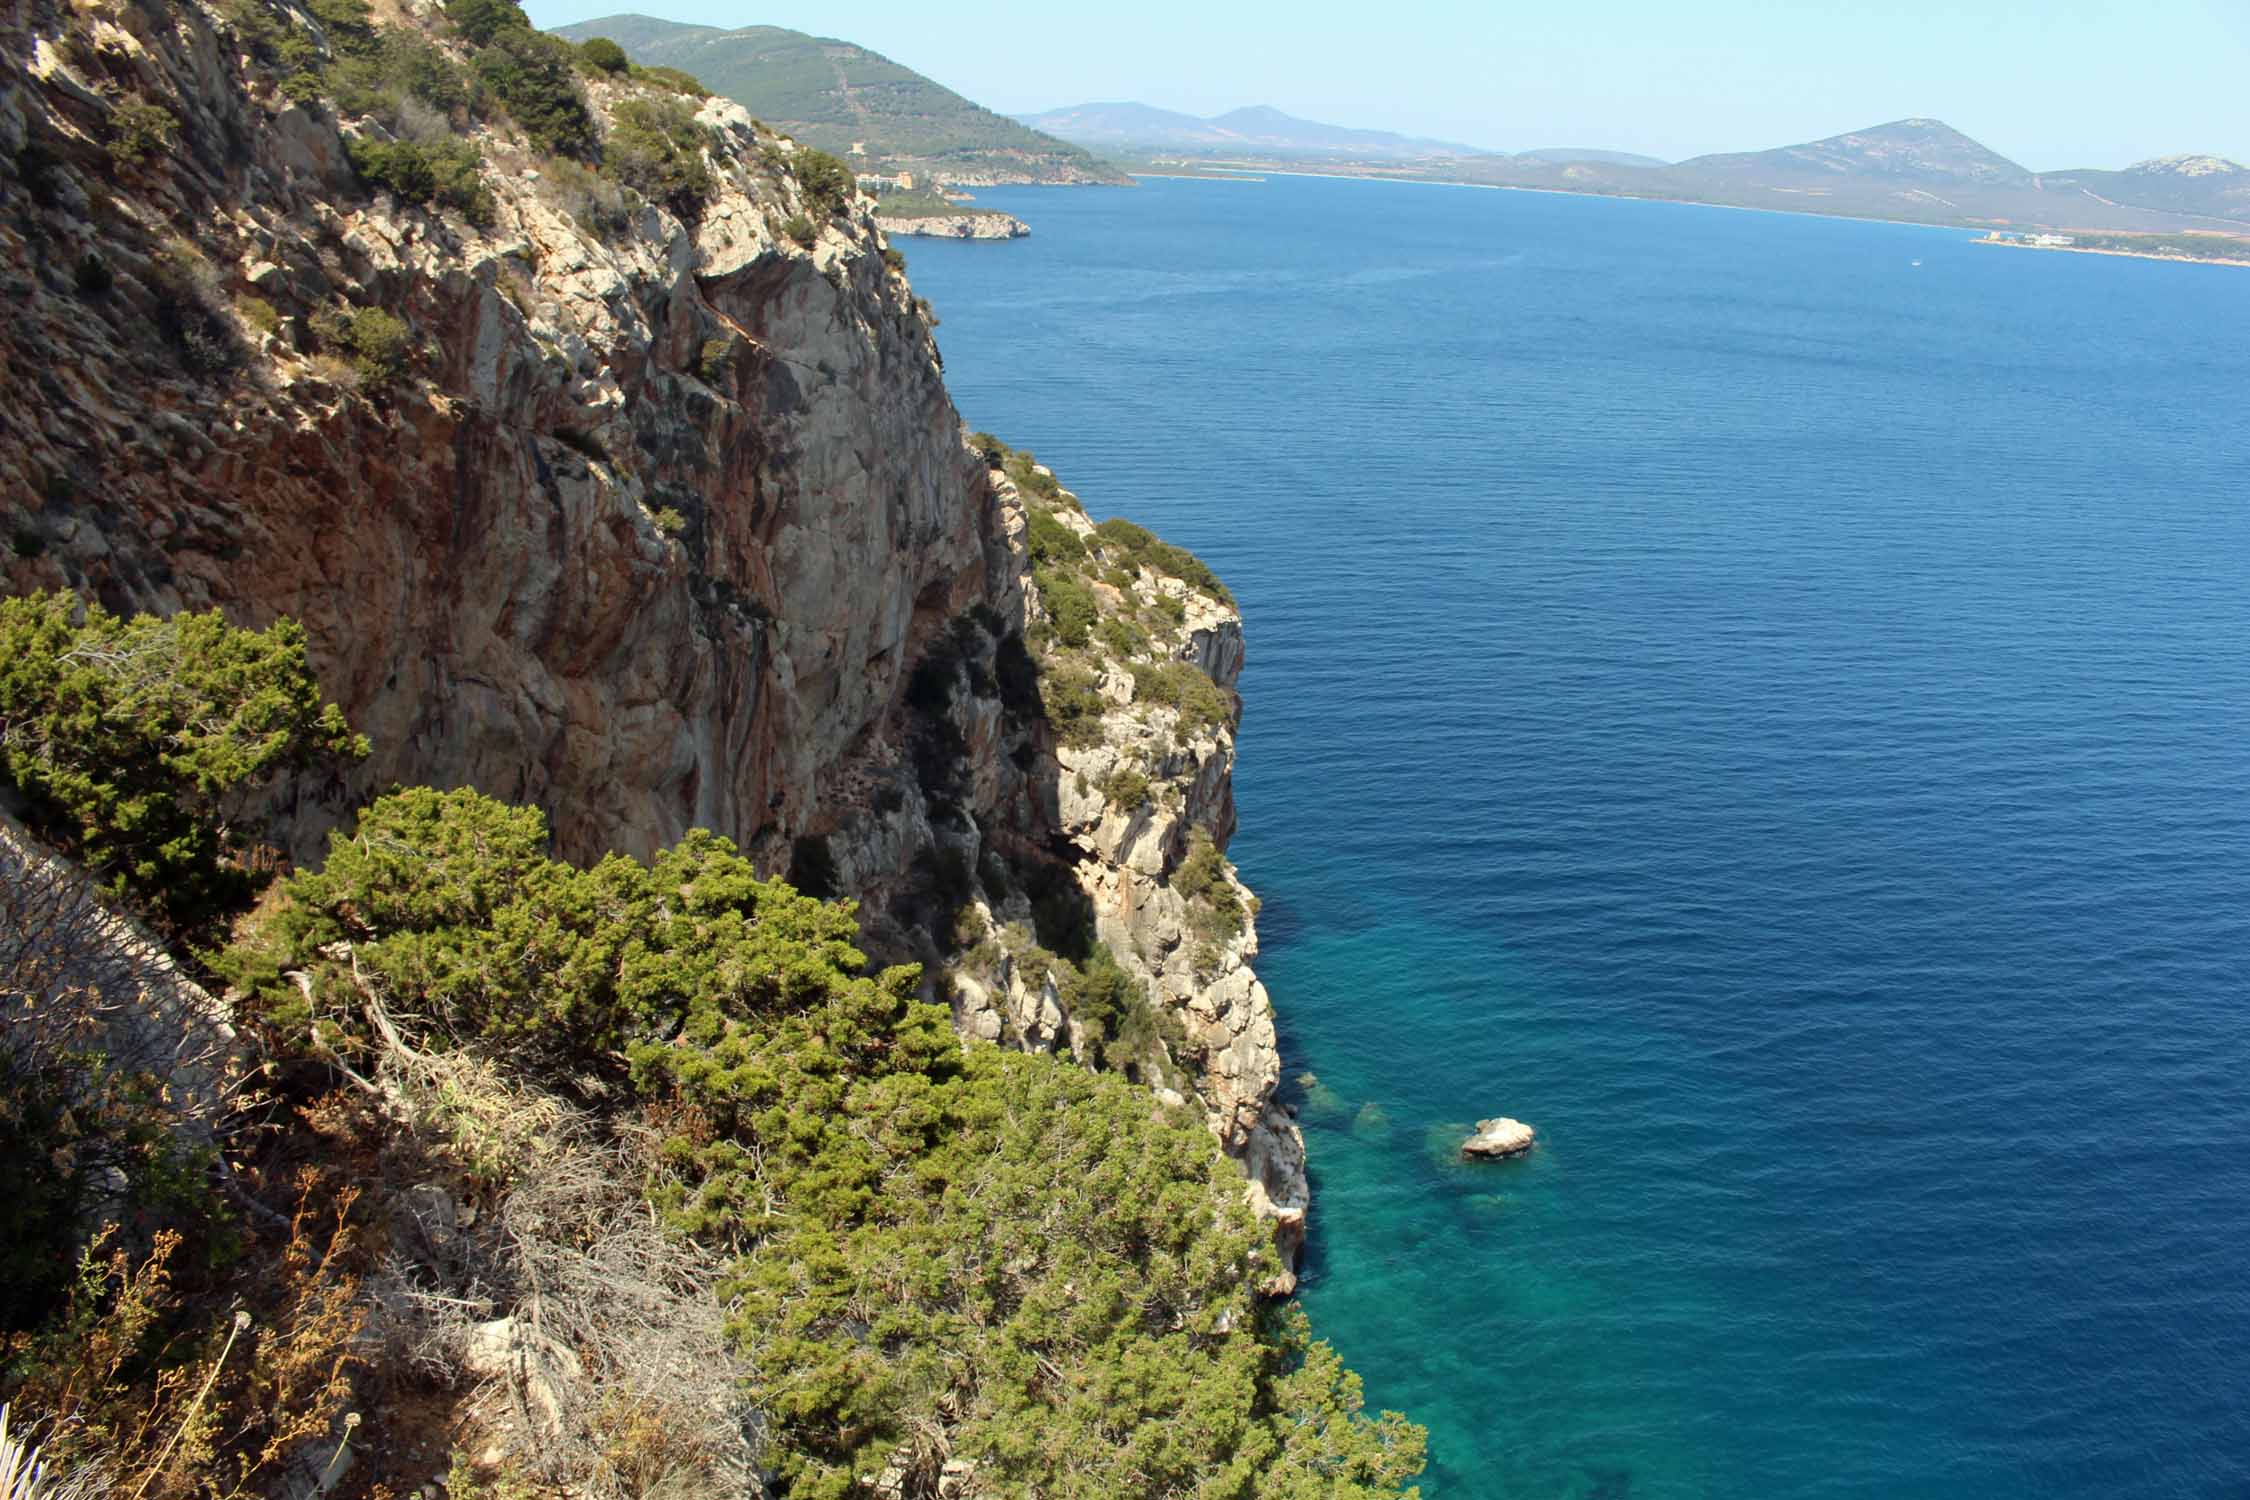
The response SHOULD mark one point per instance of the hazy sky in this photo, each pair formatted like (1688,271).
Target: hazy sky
(2062,83)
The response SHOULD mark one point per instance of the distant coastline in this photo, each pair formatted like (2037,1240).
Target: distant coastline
(1990,237)
(1242,175)
(2186,260)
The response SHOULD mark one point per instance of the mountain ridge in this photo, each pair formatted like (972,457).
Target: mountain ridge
(851,102)
(1914,147)
(1915,169)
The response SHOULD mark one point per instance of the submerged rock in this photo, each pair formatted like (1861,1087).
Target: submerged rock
(1497,1139)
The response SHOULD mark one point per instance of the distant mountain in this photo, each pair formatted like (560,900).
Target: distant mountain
(1109,126)
(852,102)
(1259,129)
(1914,170)
(1561,154)
(1927,152)
(2208,187)
(1266,126)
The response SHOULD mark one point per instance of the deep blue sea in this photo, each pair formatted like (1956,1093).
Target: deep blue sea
(1766,700)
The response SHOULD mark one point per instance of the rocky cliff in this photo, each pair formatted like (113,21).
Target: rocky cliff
(964,226)
(650,508)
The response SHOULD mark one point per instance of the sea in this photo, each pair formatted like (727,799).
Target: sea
(1764,699)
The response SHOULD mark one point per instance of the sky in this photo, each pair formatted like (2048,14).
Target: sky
(2062,83)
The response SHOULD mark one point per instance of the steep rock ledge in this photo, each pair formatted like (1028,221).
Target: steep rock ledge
(656,522)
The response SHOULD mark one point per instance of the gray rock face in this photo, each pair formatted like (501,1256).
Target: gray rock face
(1498,1139)
(655,530)
(78,977)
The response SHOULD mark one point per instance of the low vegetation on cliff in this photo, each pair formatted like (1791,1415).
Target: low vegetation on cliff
(921,1266)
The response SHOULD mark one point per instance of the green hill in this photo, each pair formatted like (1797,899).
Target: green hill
(836,96)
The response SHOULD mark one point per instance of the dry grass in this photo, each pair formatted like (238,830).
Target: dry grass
(567,1246)
(170,1398)
(573,1251)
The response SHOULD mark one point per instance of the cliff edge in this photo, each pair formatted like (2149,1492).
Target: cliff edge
(607,460)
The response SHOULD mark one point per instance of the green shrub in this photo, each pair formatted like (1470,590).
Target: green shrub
(261,31)
(1069,604)
(449,172)
(1071,696)
(828,183)
(398,65)
(139,130)
(655,147)
(377,343)
(603,55)
(1121,638)
(1036,1263)
(895,259)
(480,21)
(714,363)
(1098,992)
(670,522)
(1134,541)
(1051,543)
(1202,877)
(142,745)
(673,79)
(532,77)
(425,72)
(1144,548)
(1126,1031)
(1180,685)
(349,25)
(993,451)
(1126,788)
(1028,474)
(259,314)
(800,229)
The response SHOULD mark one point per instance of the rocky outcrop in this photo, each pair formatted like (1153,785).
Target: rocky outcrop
(968,226)
(1496,1140)
(77,978)
(1138,780)
(656,522)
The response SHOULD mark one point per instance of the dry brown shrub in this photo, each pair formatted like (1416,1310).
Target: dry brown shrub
(572,1250)
(179,1399)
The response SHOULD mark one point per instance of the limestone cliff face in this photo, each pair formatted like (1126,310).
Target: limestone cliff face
(482,551)
(656,523)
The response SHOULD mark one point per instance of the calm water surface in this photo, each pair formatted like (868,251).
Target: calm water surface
(1774,715)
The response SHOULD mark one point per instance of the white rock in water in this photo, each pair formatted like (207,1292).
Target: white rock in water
(1498,1138)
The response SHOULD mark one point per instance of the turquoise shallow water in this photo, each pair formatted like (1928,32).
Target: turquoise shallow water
(1775,716)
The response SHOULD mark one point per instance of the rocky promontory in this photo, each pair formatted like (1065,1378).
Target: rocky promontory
(965,226)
